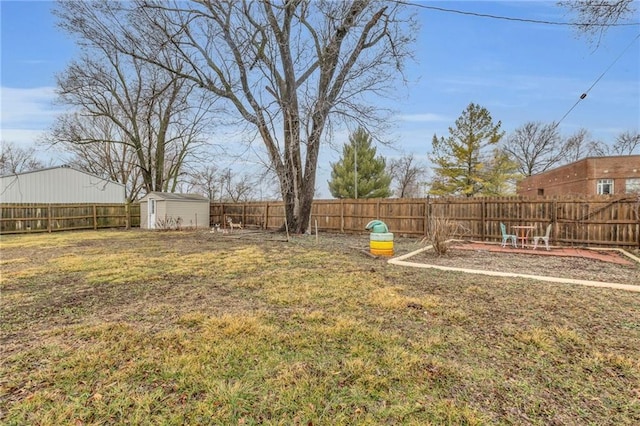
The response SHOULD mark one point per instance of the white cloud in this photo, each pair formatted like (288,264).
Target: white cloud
(422,118)
(22,137)
(26,114)
(29,109)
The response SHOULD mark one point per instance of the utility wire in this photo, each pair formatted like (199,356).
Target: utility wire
(507,18)
(584,95)
(534,21)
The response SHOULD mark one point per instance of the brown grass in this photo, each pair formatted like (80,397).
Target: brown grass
(199,328)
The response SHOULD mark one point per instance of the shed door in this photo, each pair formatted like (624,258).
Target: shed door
(152,214)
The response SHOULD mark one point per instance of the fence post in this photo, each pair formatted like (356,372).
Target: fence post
(427,215)
(244,218)
(49,224)
(554,217)
(222,215)
(426,208)
(266,215)
(483,219)
(127,215)
(342,215)
(636,209)
(95,217)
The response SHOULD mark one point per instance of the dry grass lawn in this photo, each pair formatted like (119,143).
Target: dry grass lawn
(198,328)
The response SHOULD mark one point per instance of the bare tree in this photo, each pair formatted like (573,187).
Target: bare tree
(240,189)
(408,176)
(14,159)
(627,143)
(579,146)
(154,115)
(235,187)
(288,70)
(205,182)
(594,17)
(111,160)
(535,147)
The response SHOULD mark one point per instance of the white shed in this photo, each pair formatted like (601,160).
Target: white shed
(59,185)
(165,210)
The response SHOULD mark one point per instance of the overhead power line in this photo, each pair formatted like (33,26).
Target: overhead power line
(509,18)
(535,21)
(584,95)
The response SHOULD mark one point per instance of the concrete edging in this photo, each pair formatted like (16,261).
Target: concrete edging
(400,261)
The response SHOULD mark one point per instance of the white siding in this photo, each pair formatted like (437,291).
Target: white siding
(162,215)
(144,214)
(193,213)
(59,185)
(192,209)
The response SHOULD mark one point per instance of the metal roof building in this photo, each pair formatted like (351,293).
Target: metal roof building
(59,185)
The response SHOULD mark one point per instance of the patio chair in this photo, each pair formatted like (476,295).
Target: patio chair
(544,238)
(506,237)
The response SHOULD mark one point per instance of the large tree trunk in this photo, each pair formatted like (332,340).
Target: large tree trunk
(297,205)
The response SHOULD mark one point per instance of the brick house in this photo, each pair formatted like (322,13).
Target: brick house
(589,176)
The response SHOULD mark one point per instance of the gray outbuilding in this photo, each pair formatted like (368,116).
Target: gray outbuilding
(59,185)
(165,210)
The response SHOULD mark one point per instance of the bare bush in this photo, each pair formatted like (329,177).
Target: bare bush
(440,231)
(169,224)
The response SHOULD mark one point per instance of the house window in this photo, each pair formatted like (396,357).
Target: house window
(605,186)
(540,191)
(633,186)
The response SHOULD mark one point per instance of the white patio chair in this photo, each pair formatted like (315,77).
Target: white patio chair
(506,237)
(544,238)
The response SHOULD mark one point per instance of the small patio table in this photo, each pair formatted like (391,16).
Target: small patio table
(523,231)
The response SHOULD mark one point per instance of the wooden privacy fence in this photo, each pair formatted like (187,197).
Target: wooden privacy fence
(591,221)
(21,218)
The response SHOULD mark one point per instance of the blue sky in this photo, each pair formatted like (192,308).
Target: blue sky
(519,71)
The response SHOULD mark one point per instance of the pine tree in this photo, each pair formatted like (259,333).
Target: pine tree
(359,164)
(468,162)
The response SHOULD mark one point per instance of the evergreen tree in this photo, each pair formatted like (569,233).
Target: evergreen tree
(501,174)
(467,162)
(359,164)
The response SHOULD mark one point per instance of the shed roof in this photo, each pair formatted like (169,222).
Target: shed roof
(174,196)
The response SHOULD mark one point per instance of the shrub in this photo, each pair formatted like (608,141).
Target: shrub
(169,223)
(440,231)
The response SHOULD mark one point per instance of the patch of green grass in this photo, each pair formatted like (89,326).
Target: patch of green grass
(46,241)
(193,328)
